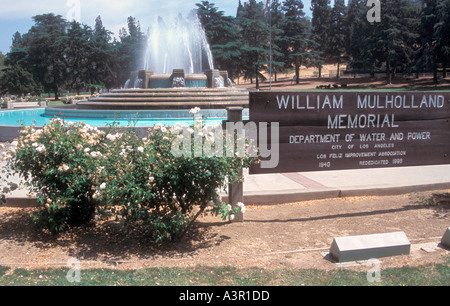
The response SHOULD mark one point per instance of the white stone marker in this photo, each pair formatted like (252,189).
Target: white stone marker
(352,248)
(446,238)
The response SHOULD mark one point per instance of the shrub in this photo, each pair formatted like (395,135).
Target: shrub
(3,103)
(79,171)
(66,100)
(144,181)
(55,166)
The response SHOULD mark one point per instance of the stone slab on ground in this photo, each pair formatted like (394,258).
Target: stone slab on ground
(353,248)
(446,238)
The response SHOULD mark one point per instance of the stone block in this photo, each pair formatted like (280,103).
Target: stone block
(353,248)
(177,79)
(212,75)
(446,238)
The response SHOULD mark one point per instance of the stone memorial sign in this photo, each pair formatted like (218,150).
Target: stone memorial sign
(446,238)
(353,248)
(355,130)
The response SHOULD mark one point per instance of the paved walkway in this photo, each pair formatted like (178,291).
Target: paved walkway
(292,187)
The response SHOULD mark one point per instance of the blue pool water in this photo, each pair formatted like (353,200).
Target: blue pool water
(37,116)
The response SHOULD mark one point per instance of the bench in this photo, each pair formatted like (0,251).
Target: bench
(12,105)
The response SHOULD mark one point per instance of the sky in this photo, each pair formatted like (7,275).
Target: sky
(16,15)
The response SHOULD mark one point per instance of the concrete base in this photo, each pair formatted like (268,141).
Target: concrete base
(446,238)
(353,248)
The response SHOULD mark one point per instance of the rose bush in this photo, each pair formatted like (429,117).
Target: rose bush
(53,163)
(79,172)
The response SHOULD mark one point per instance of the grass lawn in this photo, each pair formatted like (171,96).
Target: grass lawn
(428,275)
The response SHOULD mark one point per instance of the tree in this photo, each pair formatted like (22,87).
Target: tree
(17,81)
(102,61)
(46,46)
(18,51)
(321,26)
(129,50)
(78,55)
(2,60)
(443,31)
(338,33)
(389,44)
(434,42)
(239,9)
(2,65)
(223,36)
(395,35)
(359,32)
(255,40)
(275,17)
(296,44)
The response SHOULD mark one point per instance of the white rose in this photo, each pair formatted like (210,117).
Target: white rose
(63,167)
(195,110)
(242,207)
(111,137)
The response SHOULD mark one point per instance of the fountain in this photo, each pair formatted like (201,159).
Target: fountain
(182,45)
(179,74)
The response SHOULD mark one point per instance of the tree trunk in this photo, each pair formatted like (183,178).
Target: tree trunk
(388,72)
(338,75)
(444,73)
(297,74)
(435,77)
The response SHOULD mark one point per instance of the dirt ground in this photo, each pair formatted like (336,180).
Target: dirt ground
(295,235)
(285,83)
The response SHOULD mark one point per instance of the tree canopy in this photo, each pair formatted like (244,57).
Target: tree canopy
(413,36)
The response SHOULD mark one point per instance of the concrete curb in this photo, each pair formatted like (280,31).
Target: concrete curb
(291,195)
(17,202)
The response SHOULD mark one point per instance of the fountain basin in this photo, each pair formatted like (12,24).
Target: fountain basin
(191,81)
(168,99)
(142,120)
